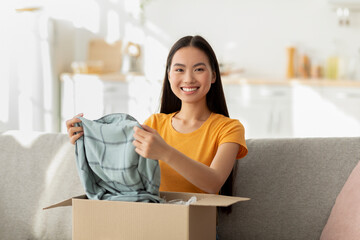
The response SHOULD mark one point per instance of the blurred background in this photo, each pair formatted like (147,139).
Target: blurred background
(290,68)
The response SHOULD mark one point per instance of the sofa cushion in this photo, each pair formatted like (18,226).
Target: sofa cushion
(37,170)
(292,183)
(344,220)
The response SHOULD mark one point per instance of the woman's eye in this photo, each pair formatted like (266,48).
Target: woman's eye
(199,69)
(179,70)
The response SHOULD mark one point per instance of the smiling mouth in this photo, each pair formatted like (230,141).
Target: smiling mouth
(185,89)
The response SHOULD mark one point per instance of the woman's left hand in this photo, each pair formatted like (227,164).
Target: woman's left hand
(149,144)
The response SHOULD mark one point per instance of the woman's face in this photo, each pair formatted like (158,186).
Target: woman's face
(190,75)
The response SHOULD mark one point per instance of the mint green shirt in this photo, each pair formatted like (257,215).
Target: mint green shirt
(108,166)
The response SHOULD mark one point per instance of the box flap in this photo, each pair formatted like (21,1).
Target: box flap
(65,203)
(204,199)
(219,200)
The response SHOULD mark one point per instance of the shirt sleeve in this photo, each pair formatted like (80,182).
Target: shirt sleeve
(150,121)
(234,132)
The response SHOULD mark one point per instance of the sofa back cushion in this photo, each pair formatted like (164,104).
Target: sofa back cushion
(37,170)
(292,183)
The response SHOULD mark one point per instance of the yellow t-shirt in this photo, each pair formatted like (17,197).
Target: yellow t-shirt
(200,145)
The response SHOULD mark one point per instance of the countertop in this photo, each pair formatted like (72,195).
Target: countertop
(289,82)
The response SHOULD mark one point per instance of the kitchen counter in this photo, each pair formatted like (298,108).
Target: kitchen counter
(286,82)
(108,77)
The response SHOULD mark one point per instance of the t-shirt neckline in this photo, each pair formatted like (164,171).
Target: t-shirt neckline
(193,132)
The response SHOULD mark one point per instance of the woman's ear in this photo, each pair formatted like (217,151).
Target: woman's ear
(168,75)
(213,80)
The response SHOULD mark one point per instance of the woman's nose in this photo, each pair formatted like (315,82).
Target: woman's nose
(189,77)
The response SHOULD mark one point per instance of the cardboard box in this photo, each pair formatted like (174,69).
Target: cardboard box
(100,219)
(110,54)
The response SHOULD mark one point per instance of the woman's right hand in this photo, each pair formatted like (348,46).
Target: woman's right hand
(74,132)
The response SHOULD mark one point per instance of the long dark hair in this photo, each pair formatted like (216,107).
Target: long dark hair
(215,98)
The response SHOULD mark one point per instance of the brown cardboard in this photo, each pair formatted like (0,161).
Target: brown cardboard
(100,219)
(110,54)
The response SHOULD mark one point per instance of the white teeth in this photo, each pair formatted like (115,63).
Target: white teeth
(189,89)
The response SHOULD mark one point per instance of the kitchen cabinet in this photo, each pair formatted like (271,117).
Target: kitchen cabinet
(98,95)
(295,108)
(326,111)
(265,111)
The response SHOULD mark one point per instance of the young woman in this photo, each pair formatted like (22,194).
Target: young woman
(192,136)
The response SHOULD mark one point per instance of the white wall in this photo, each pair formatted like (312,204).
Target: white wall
(251,35)
(254,34)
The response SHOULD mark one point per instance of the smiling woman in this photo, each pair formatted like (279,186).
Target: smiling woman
(193,137)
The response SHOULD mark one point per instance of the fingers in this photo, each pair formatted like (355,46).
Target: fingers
(137,144)
(79,115)
(74,132)
(140,152)
(141,149)
(70,123)
(140,141)
(138,147)
(139,134)
(147,128)
(75,137)
(146,132)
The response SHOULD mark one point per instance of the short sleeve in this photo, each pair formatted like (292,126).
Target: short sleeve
(233,131)
(150,121)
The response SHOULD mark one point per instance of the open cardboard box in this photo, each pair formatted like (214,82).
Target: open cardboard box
(100,219)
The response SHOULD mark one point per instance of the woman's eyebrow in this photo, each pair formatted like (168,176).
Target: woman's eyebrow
(179,64)
(199,64)
(183,65)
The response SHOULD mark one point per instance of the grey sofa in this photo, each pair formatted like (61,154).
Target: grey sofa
(292,183)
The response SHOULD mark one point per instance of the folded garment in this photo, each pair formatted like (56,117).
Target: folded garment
(108,166)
